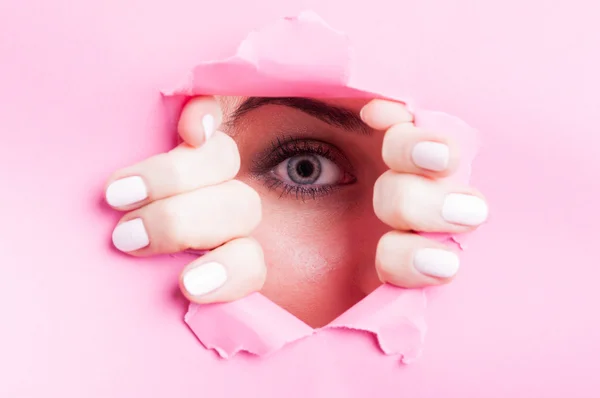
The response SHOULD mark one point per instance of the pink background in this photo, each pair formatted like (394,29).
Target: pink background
(79,86)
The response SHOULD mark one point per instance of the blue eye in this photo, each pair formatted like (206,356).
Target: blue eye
(303,168)
(308,169)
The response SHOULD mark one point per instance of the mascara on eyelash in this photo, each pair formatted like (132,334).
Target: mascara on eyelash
(284,148)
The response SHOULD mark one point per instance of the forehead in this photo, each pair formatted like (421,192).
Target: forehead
(231,103)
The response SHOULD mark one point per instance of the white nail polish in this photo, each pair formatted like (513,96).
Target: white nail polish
(436,262)
(208,124)
(130,235)
(126,191)
(432,156)
(464,209)
(204,278)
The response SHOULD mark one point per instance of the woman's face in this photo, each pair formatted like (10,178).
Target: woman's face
(314,163)
(316,181)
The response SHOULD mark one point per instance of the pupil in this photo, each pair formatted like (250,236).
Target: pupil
(305,168)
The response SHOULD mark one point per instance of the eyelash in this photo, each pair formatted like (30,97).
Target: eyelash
(282,149)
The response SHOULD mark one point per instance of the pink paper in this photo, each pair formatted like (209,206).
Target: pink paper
(258,326)
(302,56)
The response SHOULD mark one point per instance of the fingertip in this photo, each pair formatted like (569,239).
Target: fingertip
(439,263)
(408,149)
(435,157)
(225,274)
(199,119)
(465,209)
(409,261)
(125,193)
(130,235)
(382,114)
(199,280)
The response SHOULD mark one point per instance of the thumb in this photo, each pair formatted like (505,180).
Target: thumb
(199,119)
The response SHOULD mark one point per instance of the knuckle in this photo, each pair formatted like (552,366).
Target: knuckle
(387,254)
(248,202)
(253,253)
(394,260)
(176,171)
(405,215)
(396,146)
(167,214)
(406,207)
(230,155)
(395,200)
(399,133)
(381,195)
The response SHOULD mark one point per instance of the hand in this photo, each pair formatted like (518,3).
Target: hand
(411,196)
(187,199)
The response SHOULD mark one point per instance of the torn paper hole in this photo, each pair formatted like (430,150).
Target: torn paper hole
(304,57)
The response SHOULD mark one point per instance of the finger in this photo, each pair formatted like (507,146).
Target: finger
(181,170)
(227,273)
(407,149)
(202,219)
(382,114)
(413,203)
(409,260)
(199,119)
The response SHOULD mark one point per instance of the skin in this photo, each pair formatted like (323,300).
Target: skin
(314,253)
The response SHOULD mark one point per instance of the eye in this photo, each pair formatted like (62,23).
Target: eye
(302,168)
(308,169)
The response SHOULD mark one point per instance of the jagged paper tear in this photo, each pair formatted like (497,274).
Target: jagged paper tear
(304,57)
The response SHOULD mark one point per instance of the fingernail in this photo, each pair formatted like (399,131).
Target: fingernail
(464,209)
(204,279)
(436,262)
(208,124)
(126,191)
(130,236)
(432,156)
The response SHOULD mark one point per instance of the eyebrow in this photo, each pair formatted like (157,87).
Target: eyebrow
(333,115)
